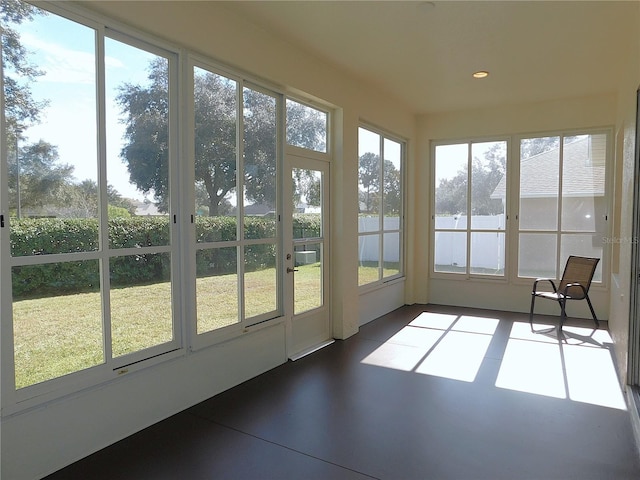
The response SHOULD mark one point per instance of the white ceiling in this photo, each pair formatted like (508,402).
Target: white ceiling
(423,53)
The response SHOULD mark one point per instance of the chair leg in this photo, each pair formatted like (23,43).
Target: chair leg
(593,313)
(533,301)
(563,313)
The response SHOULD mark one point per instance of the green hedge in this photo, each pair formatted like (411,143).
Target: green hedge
(49,235)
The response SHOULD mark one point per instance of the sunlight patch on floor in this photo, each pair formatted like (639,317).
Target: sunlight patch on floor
(532,367)
(458,356)
(431,345)
(578,365)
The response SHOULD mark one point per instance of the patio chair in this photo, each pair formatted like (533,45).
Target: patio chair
(574,285)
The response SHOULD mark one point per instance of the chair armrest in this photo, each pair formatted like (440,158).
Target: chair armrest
(535,284)
(576,284)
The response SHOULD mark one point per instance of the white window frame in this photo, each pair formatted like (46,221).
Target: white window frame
(515,201)
(381,231)
(469,230)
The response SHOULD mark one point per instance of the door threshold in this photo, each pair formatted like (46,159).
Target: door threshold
(311,350)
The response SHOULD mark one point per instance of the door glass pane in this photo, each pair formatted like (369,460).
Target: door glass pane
(307,288)
(583,181)
(260,280)
(392,185)
(537,255)
(391,254)
(57,320)
(137,127)
(307,203)
(306,127)
(450,252)
(215,108)
(451,186)
(51,133)
(369,190)
(260,161)
(487,253)
(539,183)
(307,224)
(216,288)
(141,314)
(488,185)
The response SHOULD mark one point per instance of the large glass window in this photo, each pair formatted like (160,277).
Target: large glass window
(235,202)
(380,206)
(470,199)
(91,242)
(563,202)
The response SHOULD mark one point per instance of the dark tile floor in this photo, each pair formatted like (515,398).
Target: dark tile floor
(422,393)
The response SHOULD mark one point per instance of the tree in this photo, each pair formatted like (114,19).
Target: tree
(41,177)
(451,193)
(20,107)
(369,178)
(146,114)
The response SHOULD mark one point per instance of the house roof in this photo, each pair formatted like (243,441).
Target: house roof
(583,172)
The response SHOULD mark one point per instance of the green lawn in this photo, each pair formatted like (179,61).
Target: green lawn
(58,335)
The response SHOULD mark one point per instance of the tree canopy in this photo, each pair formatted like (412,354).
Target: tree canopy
(451,193)
(372,192)
(145,113)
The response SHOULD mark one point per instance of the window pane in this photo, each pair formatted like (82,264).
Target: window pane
(307,286)
(260,280)
(450,252)
(392,184)
(391,254)
(583,245)
(57,327)
(451,185)
(583,176)
(259,164)
(215,108)
(369,190)
(488,185)
(487,253)
(539,183)
(141,314)
(216,288)
(537,255)
(137,99)
(369,259)
(306,127)
(51,129)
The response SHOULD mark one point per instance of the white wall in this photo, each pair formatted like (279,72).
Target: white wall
(623,208)
(43,439)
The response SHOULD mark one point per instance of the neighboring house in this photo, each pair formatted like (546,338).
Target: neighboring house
(144,209)
(581,189)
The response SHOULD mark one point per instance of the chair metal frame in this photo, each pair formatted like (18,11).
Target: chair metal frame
(569,288)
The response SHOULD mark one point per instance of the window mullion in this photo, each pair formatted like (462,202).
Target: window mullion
(381,211)
(103,216)
(469,190)
(560,198)
(240,202)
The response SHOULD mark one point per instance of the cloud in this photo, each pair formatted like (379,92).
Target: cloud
(62,64)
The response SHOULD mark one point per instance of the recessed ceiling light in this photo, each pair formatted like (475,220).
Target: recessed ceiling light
(481,74)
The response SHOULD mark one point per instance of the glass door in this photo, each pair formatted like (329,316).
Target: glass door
(306,254)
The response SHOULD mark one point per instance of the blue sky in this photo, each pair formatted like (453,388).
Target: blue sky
(64,50)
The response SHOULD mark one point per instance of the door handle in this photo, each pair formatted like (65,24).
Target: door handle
(291,270)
